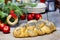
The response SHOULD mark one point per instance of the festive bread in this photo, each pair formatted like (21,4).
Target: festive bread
(34,28)
(38,31)
(46,29)
(19,31)
(31,24)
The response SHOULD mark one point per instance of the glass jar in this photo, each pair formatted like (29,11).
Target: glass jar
(51,5)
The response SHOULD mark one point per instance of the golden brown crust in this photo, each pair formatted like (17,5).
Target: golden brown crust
(29,30)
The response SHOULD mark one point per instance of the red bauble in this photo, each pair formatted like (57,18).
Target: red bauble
(11,11)
(6,29)
(13,14)
(33,15)
(38,16)
(2,26)
(29,17)
(22,17)
(43,1)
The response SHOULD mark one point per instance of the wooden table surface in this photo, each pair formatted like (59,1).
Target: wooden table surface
(52,16)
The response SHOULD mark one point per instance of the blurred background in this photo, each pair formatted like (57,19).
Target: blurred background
(52,12)
(56,1)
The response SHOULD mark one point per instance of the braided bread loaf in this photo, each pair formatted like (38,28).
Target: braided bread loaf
(34,28)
